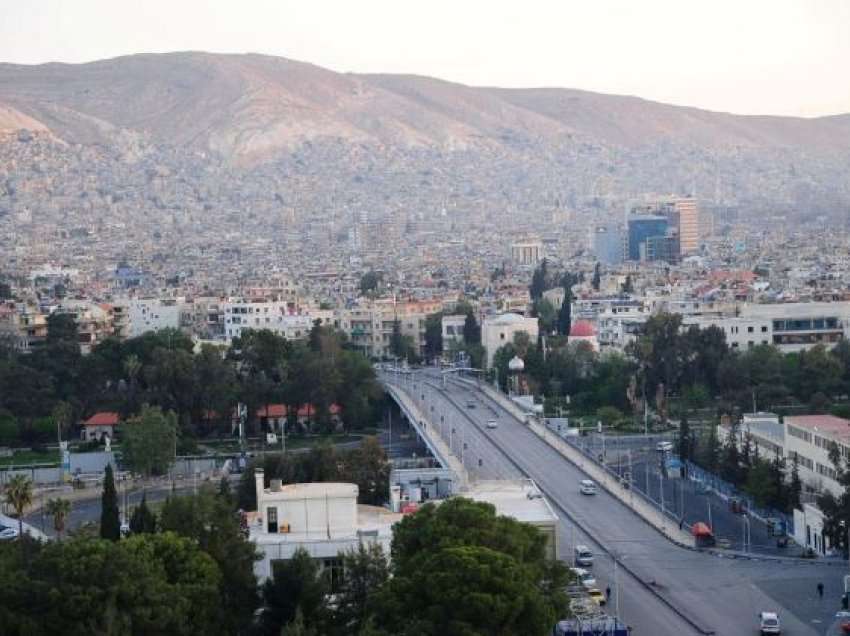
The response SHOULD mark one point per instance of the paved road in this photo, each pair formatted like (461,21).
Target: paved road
(719,595)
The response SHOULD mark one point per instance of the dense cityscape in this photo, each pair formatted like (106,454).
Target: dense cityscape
(292,352)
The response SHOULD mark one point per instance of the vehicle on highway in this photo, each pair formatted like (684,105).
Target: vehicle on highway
(584,577)
(587,487)
(769,623)
(492,424)
(597,595)
(583,556)
(470,404)
(664,447)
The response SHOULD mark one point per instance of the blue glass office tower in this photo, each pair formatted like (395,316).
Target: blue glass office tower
(641,228)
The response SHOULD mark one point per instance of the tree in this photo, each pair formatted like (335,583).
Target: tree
(547,317)
(149,441)
(539,281)
(795,488)
(143,520)
(148,584)
(471,329)
(609,415)
(628,286)
(597,277)
(683,441)
(296,585)
(434,335)
(59,509)
(209,521)
(565,311)
(441,553)
(369,468)
(366,570)
(110,522)
(369,282)
(19,496)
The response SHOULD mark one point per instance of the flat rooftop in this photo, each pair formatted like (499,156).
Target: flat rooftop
(517,498)
(836,427)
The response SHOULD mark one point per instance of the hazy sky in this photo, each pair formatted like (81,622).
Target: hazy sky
(747,56)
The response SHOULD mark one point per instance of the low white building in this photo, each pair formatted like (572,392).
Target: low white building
(497,331)
(452,327)
(322,518)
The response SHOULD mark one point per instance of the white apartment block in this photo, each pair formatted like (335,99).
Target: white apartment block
(809,439)
(452,327)
(151,314)
(276,316)
(497,331)
(370,326)
(788,326)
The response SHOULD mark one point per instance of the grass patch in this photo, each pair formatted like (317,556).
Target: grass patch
(29,457)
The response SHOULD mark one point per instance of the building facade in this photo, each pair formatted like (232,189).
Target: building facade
(497,331)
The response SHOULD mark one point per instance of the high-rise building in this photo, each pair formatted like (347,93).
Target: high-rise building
(687,215)
(641,228)
(608,244)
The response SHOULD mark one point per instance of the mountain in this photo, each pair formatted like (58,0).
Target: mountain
(252,107)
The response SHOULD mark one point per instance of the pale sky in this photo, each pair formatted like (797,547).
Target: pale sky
(783,57)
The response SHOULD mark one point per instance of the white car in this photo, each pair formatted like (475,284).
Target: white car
(587,487)
(769,623)
(492,424)
(7,532)
(664,447)
(585,578)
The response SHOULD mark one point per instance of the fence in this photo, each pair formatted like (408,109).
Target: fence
(726,491)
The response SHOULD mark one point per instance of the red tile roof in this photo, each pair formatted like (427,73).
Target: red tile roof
(306,410)
(104,418)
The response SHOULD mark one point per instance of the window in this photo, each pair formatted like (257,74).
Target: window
(271,519)
(750,329)
(333,571)
(764,330)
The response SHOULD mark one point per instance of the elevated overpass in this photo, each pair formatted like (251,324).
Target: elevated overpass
(662,587)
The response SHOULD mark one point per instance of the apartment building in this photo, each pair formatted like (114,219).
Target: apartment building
(809,438)
(150,314)
(370,325)
(276,316)
(788,326)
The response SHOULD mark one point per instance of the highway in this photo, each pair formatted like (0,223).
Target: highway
(716,595)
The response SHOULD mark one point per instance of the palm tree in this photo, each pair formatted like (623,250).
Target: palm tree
(59,509)
(19,496)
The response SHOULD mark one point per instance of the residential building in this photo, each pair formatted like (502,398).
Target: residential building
(497,331)
(809,438)
(276,316)
(452,327)
(151,314)
(100,425)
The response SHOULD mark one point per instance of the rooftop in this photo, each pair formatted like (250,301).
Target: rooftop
(517,498)
(836,426)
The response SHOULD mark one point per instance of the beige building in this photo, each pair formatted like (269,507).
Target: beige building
(689,224)
(497,331)
(370,325)
(527,252)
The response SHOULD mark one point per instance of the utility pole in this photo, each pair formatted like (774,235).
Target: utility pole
(661,489)
(710,526)
(616,590)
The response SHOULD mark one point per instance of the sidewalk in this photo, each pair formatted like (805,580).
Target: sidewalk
(638,504)
(408,404)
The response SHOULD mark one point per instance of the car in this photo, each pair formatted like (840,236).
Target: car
(583,556)
(769,623)
(492,424)
(584,577)
(597,595)
(470,404)
(587,487)
(7,532)
(664,447)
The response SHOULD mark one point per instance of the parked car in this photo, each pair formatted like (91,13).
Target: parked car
(7,532)
(597,596)
(587,487)
(583,556)
(584,577)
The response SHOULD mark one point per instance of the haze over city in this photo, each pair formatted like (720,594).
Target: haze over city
(390,318)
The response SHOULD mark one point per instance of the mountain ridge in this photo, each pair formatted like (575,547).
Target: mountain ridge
(251,107)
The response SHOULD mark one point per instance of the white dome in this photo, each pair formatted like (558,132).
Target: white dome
(516,364)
